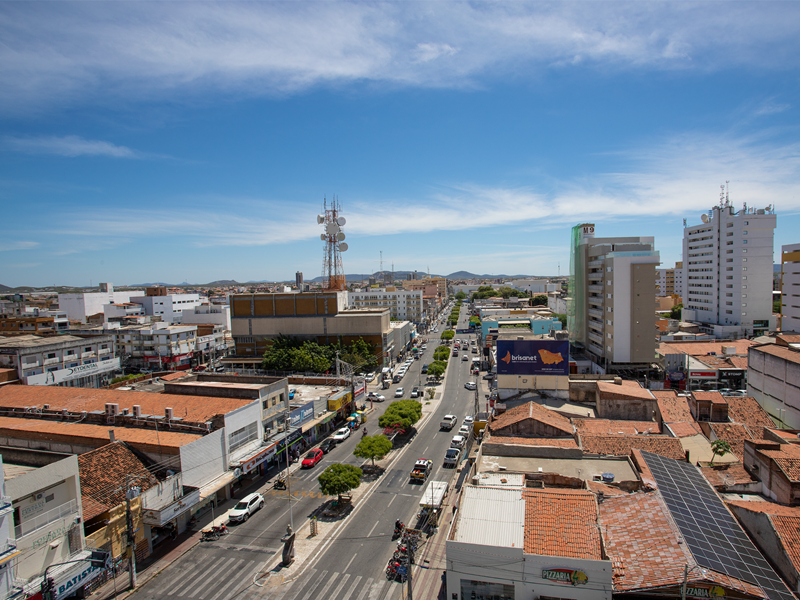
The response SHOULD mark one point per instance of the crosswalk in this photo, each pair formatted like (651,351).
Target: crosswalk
(332,586)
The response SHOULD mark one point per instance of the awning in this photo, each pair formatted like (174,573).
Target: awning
(217,484)
(160,517)
(311,424)
(262,454)
(69,578)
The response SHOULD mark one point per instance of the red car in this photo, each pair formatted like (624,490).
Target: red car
(312,458)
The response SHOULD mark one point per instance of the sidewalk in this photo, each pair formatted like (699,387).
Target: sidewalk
(428,577)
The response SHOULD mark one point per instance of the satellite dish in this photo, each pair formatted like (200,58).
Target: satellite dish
(332,228)
(340,236)
(704,218)
(320,219)
(343,247)
(323,237)
(341,220)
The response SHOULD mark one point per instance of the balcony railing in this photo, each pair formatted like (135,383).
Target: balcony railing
(596,338)
(88,354)
(51,361)
(59,512)
(596,288)
(596,313)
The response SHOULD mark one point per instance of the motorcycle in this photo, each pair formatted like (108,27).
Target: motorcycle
(220,529)
(364,433)
(280,484)
(398,531)
(209,536)
(393,571)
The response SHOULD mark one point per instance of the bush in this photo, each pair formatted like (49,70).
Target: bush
(372,447)
(123,378)
(442,353)
(401,414)
(437,368)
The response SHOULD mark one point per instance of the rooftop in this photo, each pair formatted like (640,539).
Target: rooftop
(492,516)
(713,397)
(562,522)
(747,411)
(580,468)
(610,427)
(727,474)
(704,347)
(534,411)
(192,409)
(673,408)
(784,352)
(34,341)
(566,442)
(622,445)
(625,388)
(683,429)
(147,440)
(787,459)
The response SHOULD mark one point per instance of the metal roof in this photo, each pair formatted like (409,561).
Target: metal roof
(491,516)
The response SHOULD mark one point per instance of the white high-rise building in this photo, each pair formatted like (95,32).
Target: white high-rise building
(727,271)
(405,305)
(790,288)
(80,306)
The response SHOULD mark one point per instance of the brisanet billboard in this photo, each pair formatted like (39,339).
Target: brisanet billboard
(532,357)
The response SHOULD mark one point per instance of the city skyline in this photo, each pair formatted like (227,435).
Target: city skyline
(196,142)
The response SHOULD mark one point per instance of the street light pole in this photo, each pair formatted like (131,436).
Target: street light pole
(288,482)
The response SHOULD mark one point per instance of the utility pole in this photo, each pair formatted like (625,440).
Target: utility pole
(131,492)
(410,595)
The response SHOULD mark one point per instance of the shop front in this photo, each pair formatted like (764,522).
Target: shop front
(70,579)
(170,520)
(341,403)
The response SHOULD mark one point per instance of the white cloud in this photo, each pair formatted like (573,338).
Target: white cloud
(770,107)
(68,145)
(77,51)
(8,246)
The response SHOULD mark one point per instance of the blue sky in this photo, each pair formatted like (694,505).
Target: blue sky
(184,141)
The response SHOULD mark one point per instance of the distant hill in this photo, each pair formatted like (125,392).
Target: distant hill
(5,288)
(468,275)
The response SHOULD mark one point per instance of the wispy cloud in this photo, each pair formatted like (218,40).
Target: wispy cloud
(132,50)
(770,107)
(8,246)
(68,145)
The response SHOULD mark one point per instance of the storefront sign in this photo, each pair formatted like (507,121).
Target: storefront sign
(570,576)
(703,374)
(532,357)
(715,591)
(300,415)
(259,458)
(291,438)
(70,586)
(163,516)
(337,403)
(731,374)
(70,373)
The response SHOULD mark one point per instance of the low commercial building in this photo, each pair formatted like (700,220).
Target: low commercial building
(34,321)
(168,307)
(404,305)
(705,364)
(82,305)
(512,542)
(64,360)
(321,317)
(773,379)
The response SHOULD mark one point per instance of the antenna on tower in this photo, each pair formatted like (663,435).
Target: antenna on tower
(333,277)
(727,189)
(381,263)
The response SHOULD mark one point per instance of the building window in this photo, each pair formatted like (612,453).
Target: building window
(744,241)
(242,436)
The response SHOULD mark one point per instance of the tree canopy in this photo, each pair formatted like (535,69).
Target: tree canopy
(720,448)
(460,295)
(372,447)
(339,479)
(441,353)
(539,300)
(401,414)
(675,313)
(288,353)
(437,368)
(448,334)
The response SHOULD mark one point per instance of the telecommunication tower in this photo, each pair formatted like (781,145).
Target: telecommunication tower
(333,277)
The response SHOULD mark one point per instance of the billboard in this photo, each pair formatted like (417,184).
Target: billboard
(532,357)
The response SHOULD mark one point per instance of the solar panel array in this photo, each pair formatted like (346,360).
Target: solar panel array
(714,537)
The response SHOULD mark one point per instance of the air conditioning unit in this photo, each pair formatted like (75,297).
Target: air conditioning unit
(137,411)
(168,413)
(125,412)
(45,407)
(112,410)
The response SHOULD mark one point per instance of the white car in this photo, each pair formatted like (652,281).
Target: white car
(468,420)
(246,507)
(376,397)
(369,377)
(471,385)
(341,434)
(465,430)
(424,346)
(398,393)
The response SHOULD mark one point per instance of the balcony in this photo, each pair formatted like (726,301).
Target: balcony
(68,509)
(103,351)
(597,339)
(51,361)
(595,263)
(91,354)
(596,288)
(593,312)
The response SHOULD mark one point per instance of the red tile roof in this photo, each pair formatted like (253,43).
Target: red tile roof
(87,434)
(625,389)
(545,442)
(739,362)
(194,409)
(787,459)
(614,427)
(747,411)
(703,347)
(768,508)
(642,542)
(622,445)
(105,475)
(562,523)
(727,474)
(673,407)
(684,429)
(713,397)
(788,530)
(531,410)
(607,490)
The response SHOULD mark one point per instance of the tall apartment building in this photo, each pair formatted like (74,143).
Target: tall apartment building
(727,271)
(169,307)
(665,282)
(298,280)
(612,312)
(404,305)
(790,288)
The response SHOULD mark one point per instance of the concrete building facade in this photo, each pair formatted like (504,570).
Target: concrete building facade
(80,306)
(727,271)
(404,305)
(790,288)
(612,313)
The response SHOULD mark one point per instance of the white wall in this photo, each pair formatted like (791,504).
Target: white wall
(205,459)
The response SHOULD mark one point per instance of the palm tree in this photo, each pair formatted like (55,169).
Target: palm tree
(719,448)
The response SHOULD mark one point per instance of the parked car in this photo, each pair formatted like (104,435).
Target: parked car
(246,507)
(369,377)
(341,434)
(376,397)
(312,458)
(448,422)
(471,385)
(327,445)
(465,430)
(424,368)
(458,441)
(416,392)
(398,393)
(468,420)
(489,376)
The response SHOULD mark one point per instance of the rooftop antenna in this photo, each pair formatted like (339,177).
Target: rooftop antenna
(381,263)
(727,189)
(721,195)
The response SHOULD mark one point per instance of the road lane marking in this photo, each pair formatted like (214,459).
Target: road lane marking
(316,585)
(242,579)
(373,529)
(350,562)
(324,590)
(365,589)
(392,500)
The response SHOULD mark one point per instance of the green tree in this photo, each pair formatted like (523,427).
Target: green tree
(339,479)
(719,448)
(442,353)
(539,300)
(401,414)
(372,447)
(460,295)
(675,313)
(437,368)
(448,334)
(561,317)
(776,307)
(430,393)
